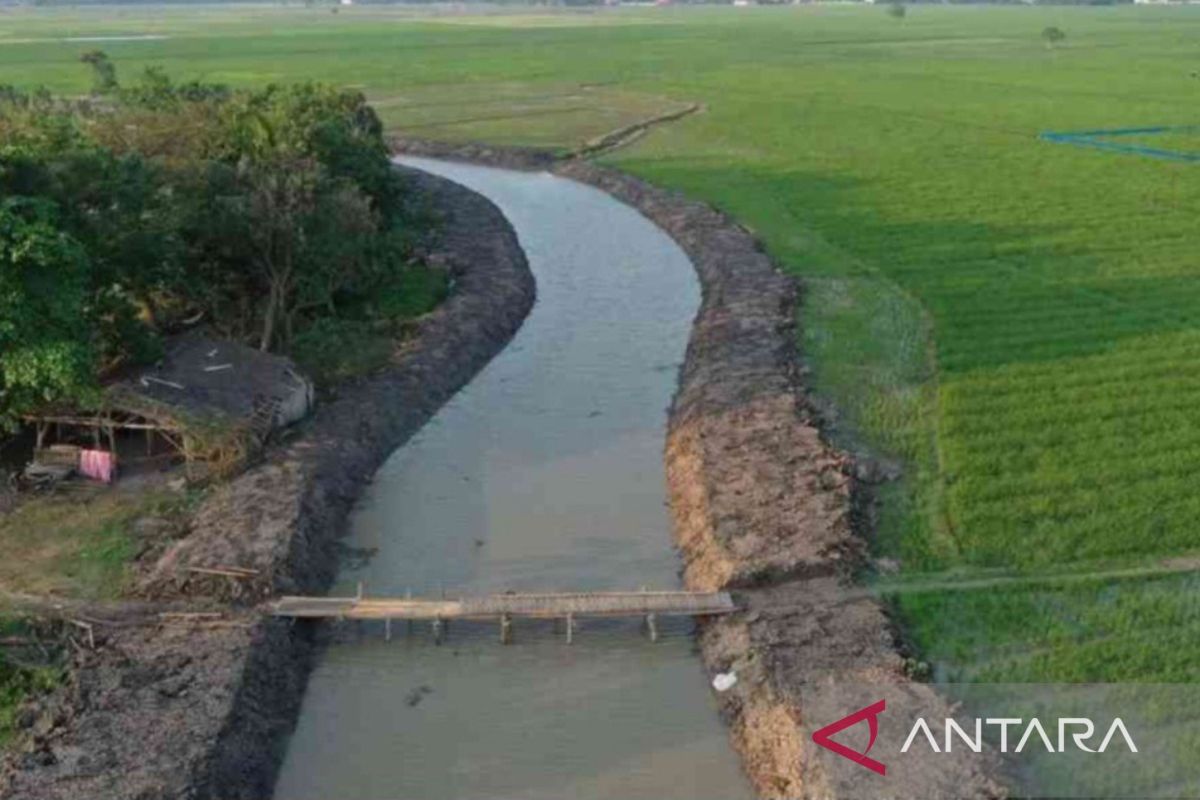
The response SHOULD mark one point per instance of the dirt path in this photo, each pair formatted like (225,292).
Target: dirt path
(628,134)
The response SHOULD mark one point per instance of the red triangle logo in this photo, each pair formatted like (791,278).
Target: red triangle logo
(871,715)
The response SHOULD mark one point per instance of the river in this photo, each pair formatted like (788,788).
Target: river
(544,473)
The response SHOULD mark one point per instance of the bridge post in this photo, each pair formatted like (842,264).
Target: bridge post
(505,629)
(387,629)
(570,627)
(651,628)
(437,630)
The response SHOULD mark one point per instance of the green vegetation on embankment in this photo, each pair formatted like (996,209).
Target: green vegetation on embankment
(1012,319)
(271,215)
(20,680)
(79,543)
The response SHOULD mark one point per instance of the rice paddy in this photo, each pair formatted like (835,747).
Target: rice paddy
(1013,321)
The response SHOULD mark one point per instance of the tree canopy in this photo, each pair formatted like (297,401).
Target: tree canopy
(132,212)
(46,352)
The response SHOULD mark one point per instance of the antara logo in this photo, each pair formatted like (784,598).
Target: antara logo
(975,743)
(1079,730)
(871,715)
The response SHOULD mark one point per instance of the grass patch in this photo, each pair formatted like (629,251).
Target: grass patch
(77,544)
(414,292)
(885,389)
(1060,632)
(501,113)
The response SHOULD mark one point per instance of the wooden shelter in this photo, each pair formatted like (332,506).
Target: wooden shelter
(211,401)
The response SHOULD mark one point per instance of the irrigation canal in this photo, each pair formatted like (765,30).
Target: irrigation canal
(544,474)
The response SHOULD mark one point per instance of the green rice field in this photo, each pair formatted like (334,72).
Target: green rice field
(1015,322)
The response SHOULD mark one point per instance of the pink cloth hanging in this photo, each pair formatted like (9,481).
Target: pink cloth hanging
(99,465)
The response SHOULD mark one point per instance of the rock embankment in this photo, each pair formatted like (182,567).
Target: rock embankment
(200,707)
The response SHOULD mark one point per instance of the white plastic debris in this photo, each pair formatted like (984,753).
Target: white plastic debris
(724,681)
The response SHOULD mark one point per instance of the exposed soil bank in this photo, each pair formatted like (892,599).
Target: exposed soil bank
(199,710)
(762,504)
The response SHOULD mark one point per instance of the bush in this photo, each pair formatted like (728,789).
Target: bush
(365,334)
(1052,35)
(331,350)
(414,291)
(17,683)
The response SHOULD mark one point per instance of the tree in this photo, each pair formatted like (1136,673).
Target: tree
(298,183)
(308,235)
(1052,35)
(258,211)
(117,210)
(46,353)
(104,74)
(334,127)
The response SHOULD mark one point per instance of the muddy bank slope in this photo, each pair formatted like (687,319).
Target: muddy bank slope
(200,708)
(763,505)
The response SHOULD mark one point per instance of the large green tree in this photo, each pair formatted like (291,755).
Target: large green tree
(46,347)
(257,212)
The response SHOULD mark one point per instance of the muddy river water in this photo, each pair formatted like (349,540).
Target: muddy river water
(544,473)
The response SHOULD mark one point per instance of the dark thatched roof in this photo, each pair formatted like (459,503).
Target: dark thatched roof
(205,379)
(201,384)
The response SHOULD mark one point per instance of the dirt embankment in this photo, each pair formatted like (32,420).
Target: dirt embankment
(201,708)
(763,505)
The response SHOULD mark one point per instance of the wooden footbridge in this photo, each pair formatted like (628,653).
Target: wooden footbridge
(505,608)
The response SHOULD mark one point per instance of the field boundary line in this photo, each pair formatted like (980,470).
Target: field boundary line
(1169,566)
(628,134)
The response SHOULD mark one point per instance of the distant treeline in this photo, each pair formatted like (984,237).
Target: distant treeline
(569,3)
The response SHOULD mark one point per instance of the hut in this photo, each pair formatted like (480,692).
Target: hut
(210,403)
